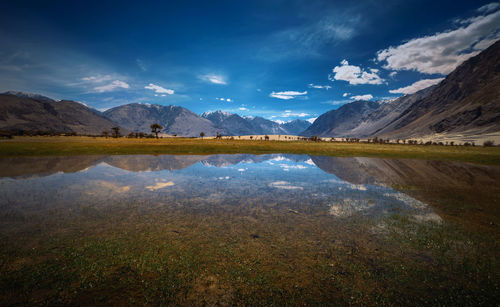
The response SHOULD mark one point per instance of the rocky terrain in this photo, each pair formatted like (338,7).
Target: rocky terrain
(24,112)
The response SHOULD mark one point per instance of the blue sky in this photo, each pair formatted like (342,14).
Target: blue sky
(278,59)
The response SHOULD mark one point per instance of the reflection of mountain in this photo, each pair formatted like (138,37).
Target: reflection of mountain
(465,193)
(420,173)
(145,163)
(226,160)
(45,166)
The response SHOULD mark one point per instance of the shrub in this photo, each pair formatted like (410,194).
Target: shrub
(489,143)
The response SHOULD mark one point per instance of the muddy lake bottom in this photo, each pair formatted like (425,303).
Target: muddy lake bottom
(247,229)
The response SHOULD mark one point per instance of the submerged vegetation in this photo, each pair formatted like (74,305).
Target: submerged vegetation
(23,146)
(148,256)
(196,234)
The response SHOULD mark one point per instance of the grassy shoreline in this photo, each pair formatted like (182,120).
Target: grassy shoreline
(49,146)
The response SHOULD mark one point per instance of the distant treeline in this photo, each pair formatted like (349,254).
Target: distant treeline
(115,133)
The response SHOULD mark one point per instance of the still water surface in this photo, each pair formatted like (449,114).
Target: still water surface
(313,229)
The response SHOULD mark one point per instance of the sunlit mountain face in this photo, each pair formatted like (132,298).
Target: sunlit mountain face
(281,61)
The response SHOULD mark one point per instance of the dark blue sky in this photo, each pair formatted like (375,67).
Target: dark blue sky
(277,59)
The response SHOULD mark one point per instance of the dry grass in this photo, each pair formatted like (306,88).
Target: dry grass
(40,146)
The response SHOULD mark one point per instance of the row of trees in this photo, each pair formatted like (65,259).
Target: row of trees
(115,132)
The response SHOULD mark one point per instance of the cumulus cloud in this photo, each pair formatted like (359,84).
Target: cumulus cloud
(442,52)
(242,109)
(417,86)
(326,87)
(158,89)
(354,74)
(117,84)
(346,94)
(287,94)
(212,78)
(362,97)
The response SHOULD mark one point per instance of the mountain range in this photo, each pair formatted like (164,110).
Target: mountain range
(466,102)
(21,112)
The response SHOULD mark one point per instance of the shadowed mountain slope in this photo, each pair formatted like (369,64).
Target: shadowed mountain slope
(30,112)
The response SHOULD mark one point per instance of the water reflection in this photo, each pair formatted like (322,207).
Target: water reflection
(239,224)
(342,187)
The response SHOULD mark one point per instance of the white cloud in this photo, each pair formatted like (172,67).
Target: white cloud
(354,74)
(224,99)
(117,84)
(289,113)
(212,78)
(336,102)
(362,97)
(346,94)
(243,109)
(442,52)
(489,7)
(287,94)
(326,87)
(311,120)
(393,74)
(417,86)
(98,79)
(279,121)
(158,89)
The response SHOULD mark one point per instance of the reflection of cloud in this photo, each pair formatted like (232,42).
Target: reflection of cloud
(284,185)
(310,162)
(348,207)
(287,167)
(416,204)
(108,186)
(412,202)
(160,185)
(359,187)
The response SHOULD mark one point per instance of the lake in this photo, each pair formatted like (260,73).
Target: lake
(247,229)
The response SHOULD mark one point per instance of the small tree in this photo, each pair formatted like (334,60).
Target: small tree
(202,134)
(489,143)
(266,137)
(116,132)
(155,128)
(105,134)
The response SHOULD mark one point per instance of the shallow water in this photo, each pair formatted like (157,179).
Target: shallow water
(297,221)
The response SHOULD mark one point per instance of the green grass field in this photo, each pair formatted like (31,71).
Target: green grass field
(42,146)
